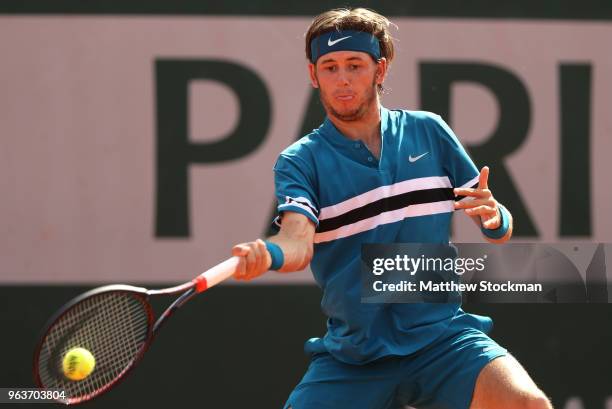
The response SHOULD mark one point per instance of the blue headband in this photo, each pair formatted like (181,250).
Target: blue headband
(345,40)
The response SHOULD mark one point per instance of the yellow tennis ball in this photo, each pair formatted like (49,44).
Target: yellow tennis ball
(78,364)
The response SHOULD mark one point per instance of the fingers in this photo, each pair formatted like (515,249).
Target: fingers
(483,180)
(480,193)
(483,204)
(492,223)
(240,250)
(255,259)
(487,211)
(489,216)
(262,260)
(467,204)
(251,261)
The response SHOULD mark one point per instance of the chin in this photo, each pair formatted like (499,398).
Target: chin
(352,115)
(352,108)
(344,111)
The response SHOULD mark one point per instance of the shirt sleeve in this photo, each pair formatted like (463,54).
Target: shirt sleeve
(294,183)
(460,168)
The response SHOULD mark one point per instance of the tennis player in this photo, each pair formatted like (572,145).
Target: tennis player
(345,184)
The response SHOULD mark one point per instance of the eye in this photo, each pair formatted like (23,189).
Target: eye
(331,68)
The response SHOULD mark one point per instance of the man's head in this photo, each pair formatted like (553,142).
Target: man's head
(349,52)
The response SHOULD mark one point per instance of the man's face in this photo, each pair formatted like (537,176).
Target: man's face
(347,82)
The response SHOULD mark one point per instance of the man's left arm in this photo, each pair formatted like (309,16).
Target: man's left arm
(491,216)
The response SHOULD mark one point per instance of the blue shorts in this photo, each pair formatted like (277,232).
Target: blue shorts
(443,375)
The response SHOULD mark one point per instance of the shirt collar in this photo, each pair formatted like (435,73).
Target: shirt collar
(329,129)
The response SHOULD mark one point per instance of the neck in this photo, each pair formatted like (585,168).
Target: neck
(366,128)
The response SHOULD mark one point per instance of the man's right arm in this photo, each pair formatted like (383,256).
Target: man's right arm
(295,239)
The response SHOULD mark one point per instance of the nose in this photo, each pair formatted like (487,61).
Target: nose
(343,78)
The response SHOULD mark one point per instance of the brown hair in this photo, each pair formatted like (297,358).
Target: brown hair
(358,19)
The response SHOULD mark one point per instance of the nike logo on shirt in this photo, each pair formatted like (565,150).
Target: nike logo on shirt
(415,158)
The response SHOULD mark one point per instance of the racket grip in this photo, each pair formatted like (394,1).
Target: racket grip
(215,275)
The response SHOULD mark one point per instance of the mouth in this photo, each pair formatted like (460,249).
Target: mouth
(348,97)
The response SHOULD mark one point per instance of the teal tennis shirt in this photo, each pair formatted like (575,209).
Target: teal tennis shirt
(355,198)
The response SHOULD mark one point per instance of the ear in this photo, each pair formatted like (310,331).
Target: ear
(313,75)
(381,70)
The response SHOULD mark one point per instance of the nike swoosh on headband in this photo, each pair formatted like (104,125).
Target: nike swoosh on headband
(330,42)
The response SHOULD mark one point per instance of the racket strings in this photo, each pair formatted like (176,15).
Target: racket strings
(113,326)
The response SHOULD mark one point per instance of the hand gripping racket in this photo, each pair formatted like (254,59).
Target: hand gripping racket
(116,324)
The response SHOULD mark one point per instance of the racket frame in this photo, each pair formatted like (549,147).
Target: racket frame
(201,283)
(142,294)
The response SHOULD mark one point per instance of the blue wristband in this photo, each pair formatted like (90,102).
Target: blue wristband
(278,259)
(503,226)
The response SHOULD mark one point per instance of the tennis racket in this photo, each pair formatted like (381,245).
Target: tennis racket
(116,324)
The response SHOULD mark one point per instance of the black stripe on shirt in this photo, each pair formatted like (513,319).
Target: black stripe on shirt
(386,204)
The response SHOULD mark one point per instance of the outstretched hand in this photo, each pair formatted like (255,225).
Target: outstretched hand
(483,205)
